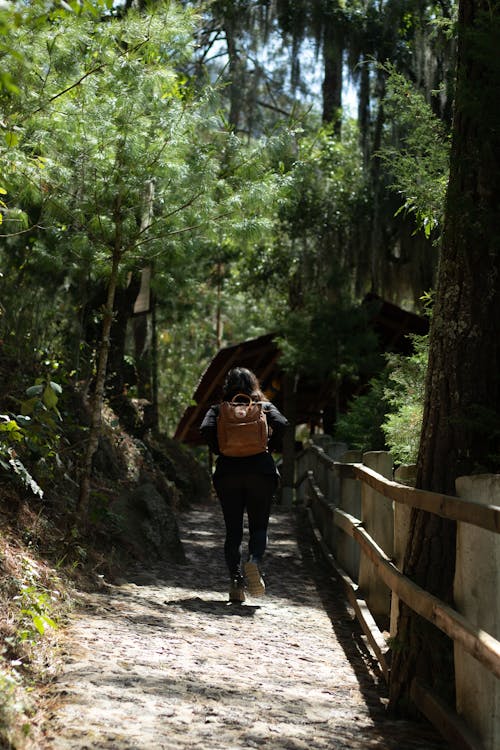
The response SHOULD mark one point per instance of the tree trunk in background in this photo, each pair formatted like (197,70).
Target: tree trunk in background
(141,327)
(154,362)
(236,86)
(118,376)
(364,119)
(462,405)
(332,81)
(378,217)
(142,321)
(98,396)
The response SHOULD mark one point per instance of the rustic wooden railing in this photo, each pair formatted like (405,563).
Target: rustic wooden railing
(327,517)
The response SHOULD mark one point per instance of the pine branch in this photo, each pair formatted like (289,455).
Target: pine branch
(274,108)
(82,78)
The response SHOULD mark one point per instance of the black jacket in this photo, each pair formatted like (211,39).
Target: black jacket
(262,463)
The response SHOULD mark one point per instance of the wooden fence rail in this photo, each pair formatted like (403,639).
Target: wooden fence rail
(324,512)
(446,506)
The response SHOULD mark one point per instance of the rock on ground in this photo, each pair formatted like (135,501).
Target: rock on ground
(163,662)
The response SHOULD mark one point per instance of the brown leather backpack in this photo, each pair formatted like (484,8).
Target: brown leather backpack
(242,427)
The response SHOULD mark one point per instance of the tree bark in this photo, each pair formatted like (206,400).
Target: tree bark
(462,403)
(98,397)
(364,119)
(142,322)
(155,426)
(117,376)
(236,84)
(332,82)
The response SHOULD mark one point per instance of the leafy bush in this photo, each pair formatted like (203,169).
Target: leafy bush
(419,165)
(36,603)
(389,415)
(34,433)
(404,395)
(360,427)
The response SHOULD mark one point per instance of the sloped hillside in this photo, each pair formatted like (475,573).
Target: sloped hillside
(46,555)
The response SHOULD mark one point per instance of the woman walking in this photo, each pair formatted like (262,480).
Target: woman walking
(245,483)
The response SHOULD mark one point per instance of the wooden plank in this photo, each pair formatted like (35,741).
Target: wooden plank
(479,644)
(363,614)
(323,457)
(302,478)
(317,492)
(451,726)
(345,521)
(375,637)
(446,506)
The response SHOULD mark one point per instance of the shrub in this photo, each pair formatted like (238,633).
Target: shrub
(360,427)
(404,395)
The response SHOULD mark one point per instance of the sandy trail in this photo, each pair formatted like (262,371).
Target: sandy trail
(164,662)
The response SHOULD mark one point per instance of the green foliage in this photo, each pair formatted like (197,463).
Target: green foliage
(36,602)
(322,332)
(328,340)
(317,213)
(361,426)
(326,196)
(415,153)
(187,340)
(114,111)
(105,102)
(405,395)
(388,416)
(110,113)
(35,605)
(32,437)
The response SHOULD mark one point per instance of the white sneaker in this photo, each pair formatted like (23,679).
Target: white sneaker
(255,582)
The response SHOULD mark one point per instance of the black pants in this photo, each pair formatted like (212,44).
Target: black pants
(237,492)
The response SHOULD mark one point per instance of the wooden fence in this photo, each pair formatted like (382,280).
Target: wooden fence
(360,517)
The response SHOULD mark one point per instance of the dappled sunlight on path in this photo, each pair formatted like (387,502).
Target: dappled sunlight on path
(164,662)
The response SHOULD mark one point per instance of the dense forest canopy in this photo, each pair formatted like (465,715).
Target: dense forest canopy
(182,138)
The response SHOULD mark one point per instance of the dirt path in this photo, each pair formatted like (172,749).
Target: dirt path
(163,662)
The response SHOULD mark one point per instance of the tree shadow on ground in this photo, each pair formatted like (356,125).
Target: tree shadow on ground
(215,607)
(351,638)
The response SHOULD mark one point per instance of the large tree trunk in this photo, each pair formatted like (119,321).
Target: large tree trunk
(364,115)
(462,406)
(332,82)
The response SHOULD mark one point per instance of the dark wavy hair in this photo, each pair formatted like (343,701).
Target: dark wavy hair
(241,380)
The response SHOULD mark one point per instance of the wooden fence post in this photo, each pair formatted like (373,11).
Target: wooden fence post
(477,597)
(402,514)
(377,516)
(348,552)
(336,451)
